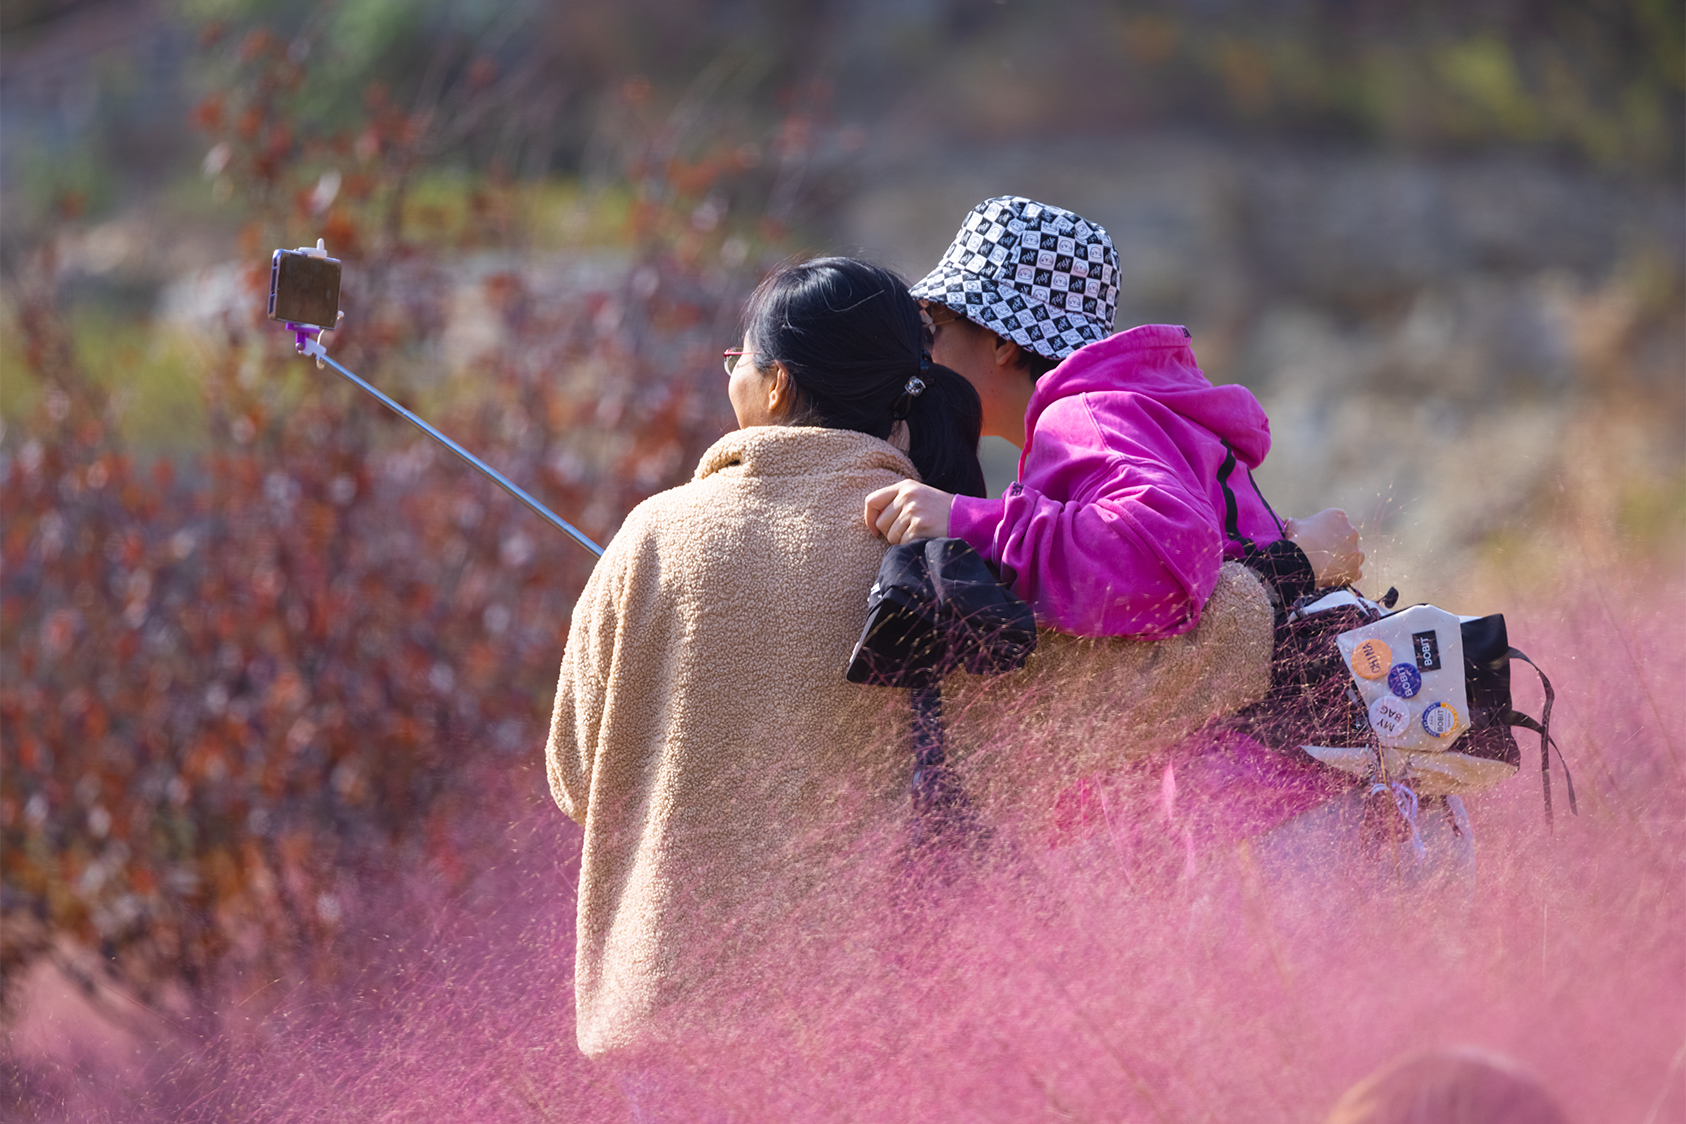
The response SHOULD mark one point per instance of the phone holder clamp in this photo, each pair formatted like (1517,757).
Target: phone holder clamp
(307,340)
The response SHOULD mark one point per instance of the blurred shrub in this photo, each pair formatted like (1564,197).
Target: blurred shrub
(241,691)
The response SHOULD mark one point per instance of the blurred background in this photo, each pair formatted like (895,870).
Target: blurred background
(261,649)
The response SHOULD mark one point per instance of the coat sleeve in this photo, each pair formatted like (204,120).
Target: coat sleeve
(582,688)
(1136,554)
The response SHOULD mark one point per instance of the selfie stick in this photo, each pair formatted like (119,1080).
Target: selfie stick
(309,342)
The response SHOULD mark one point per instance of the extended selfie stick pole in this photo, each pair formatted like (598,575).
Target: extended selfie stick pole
(309,342)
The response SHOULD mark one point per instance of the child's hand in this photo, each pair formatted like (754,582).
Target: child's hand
(907,511)
(1330,542)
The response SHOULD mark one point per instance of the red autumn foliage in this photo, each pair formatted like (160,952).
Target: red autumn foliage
(237,688)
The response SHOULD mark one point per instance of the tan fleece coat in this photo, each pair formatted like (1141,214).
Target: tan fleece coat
(1084,706)
(739,796)
(707,740)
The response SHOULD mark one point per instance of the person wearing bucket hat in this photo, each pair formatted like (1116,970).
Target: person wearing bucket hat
(1128,497)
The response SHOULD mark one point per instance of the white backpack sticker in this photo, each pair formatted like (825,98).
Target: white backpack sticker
(1409,670)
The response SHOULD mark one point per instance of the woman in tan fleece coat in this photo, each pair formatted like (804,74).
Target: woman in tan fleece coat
(727,775)
(739,797)
(704,734)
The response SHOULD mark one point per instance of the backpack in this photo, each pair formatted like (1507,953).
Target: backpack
(1416,698)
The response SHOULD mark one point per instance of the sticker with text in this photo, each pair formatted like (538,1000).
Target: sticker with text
(1440,719)
(1404,680)
(1371,659)
(1389,716)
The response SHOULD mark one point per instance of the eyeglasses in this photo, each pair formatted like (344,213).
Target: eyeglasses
(935,316)
(733,354)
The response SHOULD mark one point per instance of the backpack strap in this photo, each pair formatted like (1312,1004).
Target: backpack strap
(1232,513)
(1513,717)
(941,811)
(1282,565)
(934,790)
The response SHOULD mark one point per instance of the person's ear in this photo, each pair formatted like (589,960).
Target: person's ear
(781,392)
(1006,352)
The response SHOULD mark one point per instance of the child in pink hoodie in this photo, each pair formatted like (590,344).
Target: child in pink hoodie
(1134,482)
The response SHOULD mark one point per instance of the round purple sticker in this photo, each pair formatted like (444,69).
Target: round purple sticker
(1404,680)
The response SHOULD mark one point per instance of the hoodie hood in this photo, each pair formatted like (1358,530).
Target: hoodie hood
(1156,361)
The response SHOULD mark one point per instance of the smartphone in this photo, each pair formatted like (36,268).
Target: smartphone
(304,288)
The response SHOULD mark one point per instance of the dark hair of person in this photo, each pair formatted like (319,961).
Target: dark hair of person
(1035,364)
(850,335)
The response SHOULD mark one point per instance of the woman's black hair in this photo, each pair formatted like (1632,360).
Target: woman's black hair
(852,339)
(1034,363)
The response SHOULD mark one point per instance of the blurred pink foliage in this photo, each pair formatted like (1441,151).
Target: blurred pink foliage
(1052,987)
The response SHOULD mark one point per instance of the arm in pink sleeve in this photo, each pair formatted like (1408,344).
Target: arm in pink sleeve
(975,521)
(1136,553)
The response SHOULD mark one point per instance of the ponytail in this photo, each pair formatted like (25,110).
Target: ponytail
(850,335)
(943,425)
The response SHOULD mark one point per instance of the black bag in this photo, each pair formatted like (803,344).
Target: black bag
(1312,700)
(938,608)
(1487,656)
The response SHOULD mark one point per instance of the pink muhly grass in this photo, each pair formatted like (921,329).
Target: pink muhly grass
(1053,987)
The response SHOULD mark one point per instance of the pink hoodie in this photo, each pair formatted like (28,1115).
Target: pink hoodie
(1116,524)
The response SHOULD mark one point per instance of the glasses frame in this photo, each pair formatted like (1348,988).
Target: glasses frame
(934,315)
(732,355)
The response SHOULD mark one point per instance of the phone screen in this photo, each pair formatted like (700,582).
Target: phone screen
(304,289)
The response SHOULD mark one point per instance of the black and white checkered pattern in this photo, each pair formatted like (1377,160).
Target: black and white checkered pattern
(1038,275)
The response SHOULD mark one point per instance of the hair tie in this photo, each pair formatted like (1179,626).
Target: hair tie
(903,405)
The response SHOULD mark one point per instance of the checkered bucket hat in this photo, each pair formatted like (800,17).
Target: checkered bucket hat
(1038,275)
